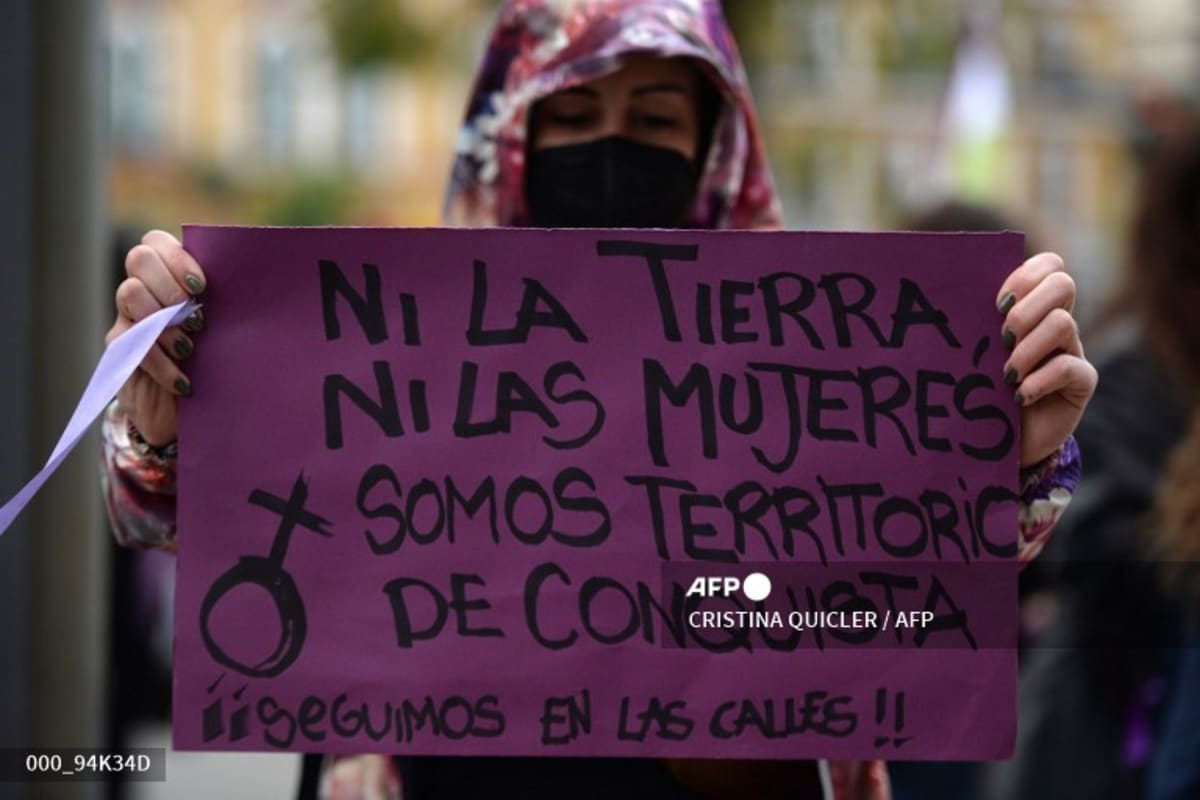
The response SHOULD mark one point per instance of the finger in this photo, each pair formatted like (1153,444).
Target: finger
(144,263)
(177,344)
(172,341)
(878,784)
(1071,377)
(154,411)
(134,300)
(1021,281)
(195,321)
(125,395)
(120,326)
(179,262)
(159,366)
(1056,290)
(1057,332)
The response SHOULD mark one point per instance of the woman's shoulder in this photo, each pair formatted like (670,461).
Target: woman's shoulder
(1137,400)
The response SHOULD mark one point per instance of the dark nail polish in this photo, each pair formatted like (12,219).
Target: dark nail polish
(1009,338)
(183,387)
(194,284)
(1007,302)
(1020,398)
(1010,376)
(182,347)
(194,321)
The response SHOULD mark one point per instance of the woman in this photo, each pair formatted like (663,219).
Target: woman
(1124,648)
(610,112)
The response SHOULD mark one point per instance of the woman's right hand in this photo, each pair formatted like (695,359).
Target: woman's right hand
(159,273)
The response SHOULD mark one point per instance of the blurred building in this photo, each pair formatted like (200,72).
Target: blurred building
(244,110)
(252,110)
(859,102)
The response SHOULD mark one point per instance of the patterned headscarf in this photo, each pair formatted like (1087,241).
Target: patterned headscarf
(539,47)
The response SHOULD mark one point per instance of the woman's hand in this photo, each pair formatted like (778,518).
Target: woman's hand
(365,777)
(1047,369)
(159,273)
(860,780)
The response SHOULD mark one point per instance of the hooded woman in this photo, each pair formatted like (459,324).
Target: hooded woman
(679,130)
(603,113)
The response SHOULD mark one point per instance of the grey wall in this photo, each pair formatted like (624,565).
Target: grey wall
(53,223)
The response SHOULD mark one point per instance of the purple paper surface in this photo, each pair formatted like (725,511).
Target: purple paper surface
(417,519)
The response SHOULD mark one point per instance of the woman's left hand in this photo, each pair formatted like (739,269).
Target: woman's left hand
(1047,369)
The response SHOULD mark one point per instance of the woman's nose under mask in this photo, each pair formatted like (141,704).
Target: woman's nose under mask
(614,182)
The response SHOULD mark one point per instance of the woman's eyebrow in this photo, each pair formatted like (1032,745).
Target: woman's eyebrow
(660,87)
(586,91)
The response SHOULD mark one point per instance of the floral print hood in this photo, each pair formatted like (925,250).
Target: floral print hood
(539,47)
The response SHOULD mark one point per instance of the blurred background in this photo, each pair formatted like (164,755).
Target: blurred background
(125,115)
(307,112)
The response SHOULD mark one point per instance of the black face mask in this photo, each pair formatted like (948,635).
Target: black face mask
(614,182)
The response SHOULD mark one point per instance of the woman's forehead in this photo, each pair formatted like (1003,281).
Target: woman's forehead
(644,71)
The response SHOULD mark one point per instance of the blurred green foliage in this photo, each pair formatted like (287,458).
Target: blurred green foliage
(309,200)
(210,179)
(750,21)
(919,38)
(372,33)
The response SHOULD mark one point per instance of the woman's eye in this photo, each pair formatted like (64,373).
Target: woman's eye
(570,120)
(657,121)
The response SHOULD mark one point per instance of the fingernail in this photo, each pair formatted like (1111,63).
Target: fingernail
(193,283)
(1020,398)
(182,347)
(194,321)
(1010,376)
(183,387)
(1007,302)
(1009,338)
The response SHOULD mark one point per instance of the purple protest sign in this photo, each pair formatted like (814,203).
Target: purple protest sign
(649,493)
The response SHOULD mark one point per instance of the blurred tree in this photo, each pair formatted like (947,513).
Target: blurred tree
(374,33)
(751,22)
(919,39)
(210,179)
(310,200)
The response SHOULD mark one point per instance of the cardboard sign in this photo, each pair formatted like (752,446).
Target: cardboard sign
(645,493)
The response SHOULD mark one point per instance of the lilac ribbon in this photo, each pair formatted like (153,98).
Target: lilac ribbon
(119,361)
